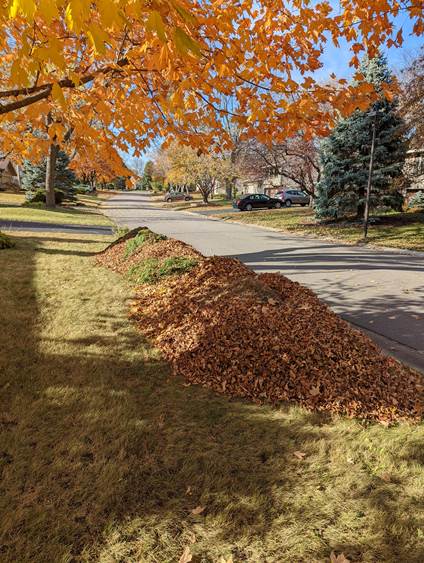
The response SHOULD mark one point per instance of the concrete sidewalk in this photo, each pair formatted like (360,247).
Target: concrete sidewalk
(378,291)
(54,227)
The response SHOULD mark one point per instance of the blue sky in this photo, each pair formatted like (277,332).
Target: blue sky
(337,59)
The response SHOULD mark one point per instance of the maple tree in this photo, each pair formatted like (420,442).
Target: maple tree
(159,68)
(105,167)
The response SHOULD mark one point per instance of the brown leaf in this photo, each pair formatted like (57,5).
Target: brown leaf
(198,510)
(341,558)
(314,391)
(186,556)
(191,537)
(299,455)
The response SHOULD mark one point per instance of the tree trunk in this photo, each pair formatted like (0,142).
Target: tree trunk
(50,175)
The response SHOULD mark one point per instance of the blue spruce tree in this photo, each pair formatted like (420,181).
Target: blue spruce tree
(345,155)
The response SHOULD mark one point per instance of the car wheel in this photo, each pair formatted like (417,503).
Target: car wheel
(169,200)
(303,204)
(277,205)
(186,198)
(288,203)
(248,207)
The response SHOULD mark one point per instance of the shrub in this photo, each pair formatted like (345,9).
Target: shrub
(35,204)
(142,238)
(82,189)
(39,196)
(5,241)
(152,270)
(417,200)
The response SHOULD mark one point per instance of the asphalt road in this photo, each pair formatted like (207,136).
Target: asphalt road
(379,291)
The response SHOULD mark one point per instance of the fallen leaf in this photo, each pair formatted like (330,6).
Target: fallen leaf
(186,556)
(198,510)
(341,558)
(299,455)
(314,391)
(191,537)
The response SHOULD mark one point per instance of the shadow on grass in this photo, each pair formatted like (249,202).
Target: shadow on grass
(104,456)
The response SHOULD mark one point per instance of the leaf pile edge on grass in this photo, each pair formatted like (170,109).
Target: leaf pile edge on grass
(266,338)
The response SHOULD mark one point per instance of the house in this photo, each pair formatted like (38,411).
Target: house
(267,182)
(414,171)
(9,175)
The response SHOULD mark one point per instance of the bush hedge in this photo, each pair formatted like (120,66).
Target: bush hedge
(5,241)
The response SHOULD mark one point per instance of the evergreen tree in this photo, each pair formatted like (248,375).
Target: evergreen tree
(345,154)
(119,183)
(34,175)
(417,200)
(145,182)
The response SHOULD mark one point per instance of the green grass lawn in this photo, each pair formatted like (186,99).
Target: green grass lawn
(86,214)
(106,457)
(397,230)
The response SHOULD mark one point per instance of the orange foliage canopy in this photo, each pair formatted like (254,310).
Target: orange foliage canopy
(122,72)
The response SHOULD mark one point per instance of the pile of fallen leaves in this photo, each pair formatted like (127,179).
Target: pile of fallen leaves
(117,259)
(267,338)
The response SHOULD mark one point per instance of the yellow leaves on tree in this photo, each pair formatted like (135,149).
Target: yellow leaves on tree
(136,70)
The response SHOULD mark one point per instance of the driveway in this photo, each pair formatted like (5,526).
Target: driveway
(379,291)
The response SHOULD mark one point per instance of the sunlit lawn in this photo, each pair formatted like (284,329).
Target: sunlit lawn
(218,201)
(104,455)
(406,230)
(86,214)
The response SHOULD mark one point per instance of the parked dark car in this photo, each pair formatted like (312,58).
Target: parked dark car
(293,197)
(177,196)
(256,201)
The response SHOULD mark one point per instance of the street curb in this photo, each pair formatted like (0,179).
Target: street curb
(335,242)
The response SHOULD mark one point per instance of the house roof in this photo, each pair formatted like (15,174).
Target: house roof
(7,164)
